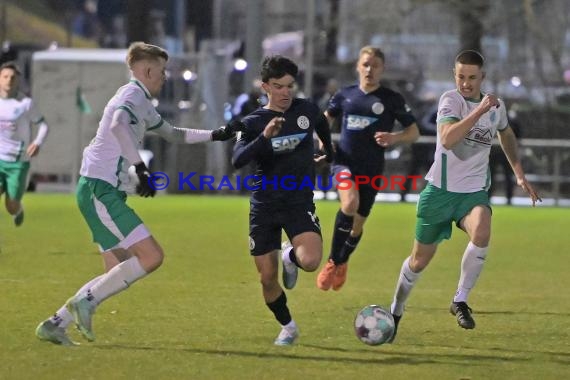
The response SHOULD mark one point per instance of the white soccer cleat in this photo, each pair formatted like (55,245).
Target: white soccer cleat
(287,336)
(290,270)
(82,311)
(49,332)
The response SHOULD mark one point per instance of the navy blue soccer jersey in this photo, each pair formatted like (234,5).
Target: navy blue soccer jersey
(364,114)
(284,164)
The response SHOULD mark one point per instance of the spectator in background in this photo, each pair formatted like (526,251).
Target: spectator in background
(86,22)
(331,88)
(498,161)
(116,36)
(422,153)
(324,169)
(112,17)
(248,102)
(245,104)
(156,27)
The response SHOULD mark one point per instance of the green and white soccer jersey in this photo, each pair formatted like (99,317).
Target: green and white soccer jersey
(102,158)
(465,167)
(16,118)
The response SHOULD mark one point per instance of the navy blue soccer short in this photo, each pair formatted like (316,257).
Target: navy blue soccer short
(265,226)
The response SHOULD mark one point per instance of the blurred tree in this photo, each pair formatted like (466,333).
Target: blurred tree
(332,30)
(517,35)
(68,13)
(548,23)
(200,14)
(471,26)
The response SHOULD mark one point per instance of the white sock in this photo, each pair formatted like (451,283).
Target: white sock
(21,210)
(404,286)
(63,317)
(471,267)
(291,326)
(285,256)
(116,280)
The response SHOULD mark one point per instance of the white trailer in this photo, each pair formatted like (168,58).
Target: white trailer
(58,77)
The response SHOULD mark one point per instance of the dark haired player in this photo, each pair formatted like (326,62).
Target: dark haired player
(279,139)
(458,180)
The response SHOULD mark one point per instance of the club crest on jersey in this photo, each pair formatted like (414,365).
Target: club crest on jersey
(303,122)
(357,122)
(493,116)
(377,108)
(17,112)
(283,144)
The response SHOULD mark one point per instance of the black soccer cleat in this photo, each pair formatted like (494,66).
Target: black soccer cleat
(463,313)
(396,322)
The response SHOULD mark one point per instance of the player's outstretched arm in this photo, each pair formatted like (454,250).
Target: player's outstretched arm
(177,135)
(192,136)
(228,131)
(509,144)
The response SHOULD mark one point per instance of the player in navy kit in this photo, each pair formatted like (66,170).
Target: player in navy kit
(368,112)
(279,139)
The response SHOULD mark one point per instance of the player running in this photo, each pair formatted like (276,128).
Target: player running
(128,249)
(279,139)
(369,111)
(17,115)
(458,180)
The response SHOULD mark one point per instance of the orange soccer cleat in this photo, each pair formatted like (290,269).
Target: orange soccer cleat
(340,276)
(326,276)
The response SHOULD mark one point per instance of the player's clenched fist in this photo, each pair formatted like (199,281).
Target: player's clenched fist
(273,127)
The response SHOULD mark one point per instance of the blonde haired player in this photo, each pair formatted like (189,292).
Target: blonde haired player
(128,249)
(368,111)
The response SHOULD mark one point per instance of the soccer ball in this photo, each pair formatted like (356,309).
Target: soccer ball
(374,325)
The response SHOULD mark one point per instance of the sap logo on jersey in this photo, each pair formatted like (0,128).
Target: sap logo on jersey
(286,143)
(357,122)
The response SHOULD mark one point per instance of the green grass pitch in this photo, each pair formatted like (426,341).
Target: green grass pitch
(201,315)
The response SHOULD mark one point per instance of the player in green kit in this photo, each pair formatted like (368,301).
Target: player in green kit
(17,116)
(129,251)
(467,122)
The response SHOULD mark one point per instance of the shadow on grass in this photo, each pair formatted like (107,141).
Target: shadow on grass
(457,356)
(518,312)
(481,312)
(506,351)
(384,357)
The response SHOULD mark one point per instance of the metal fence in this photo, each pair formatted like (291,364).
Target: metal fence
(546,163)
